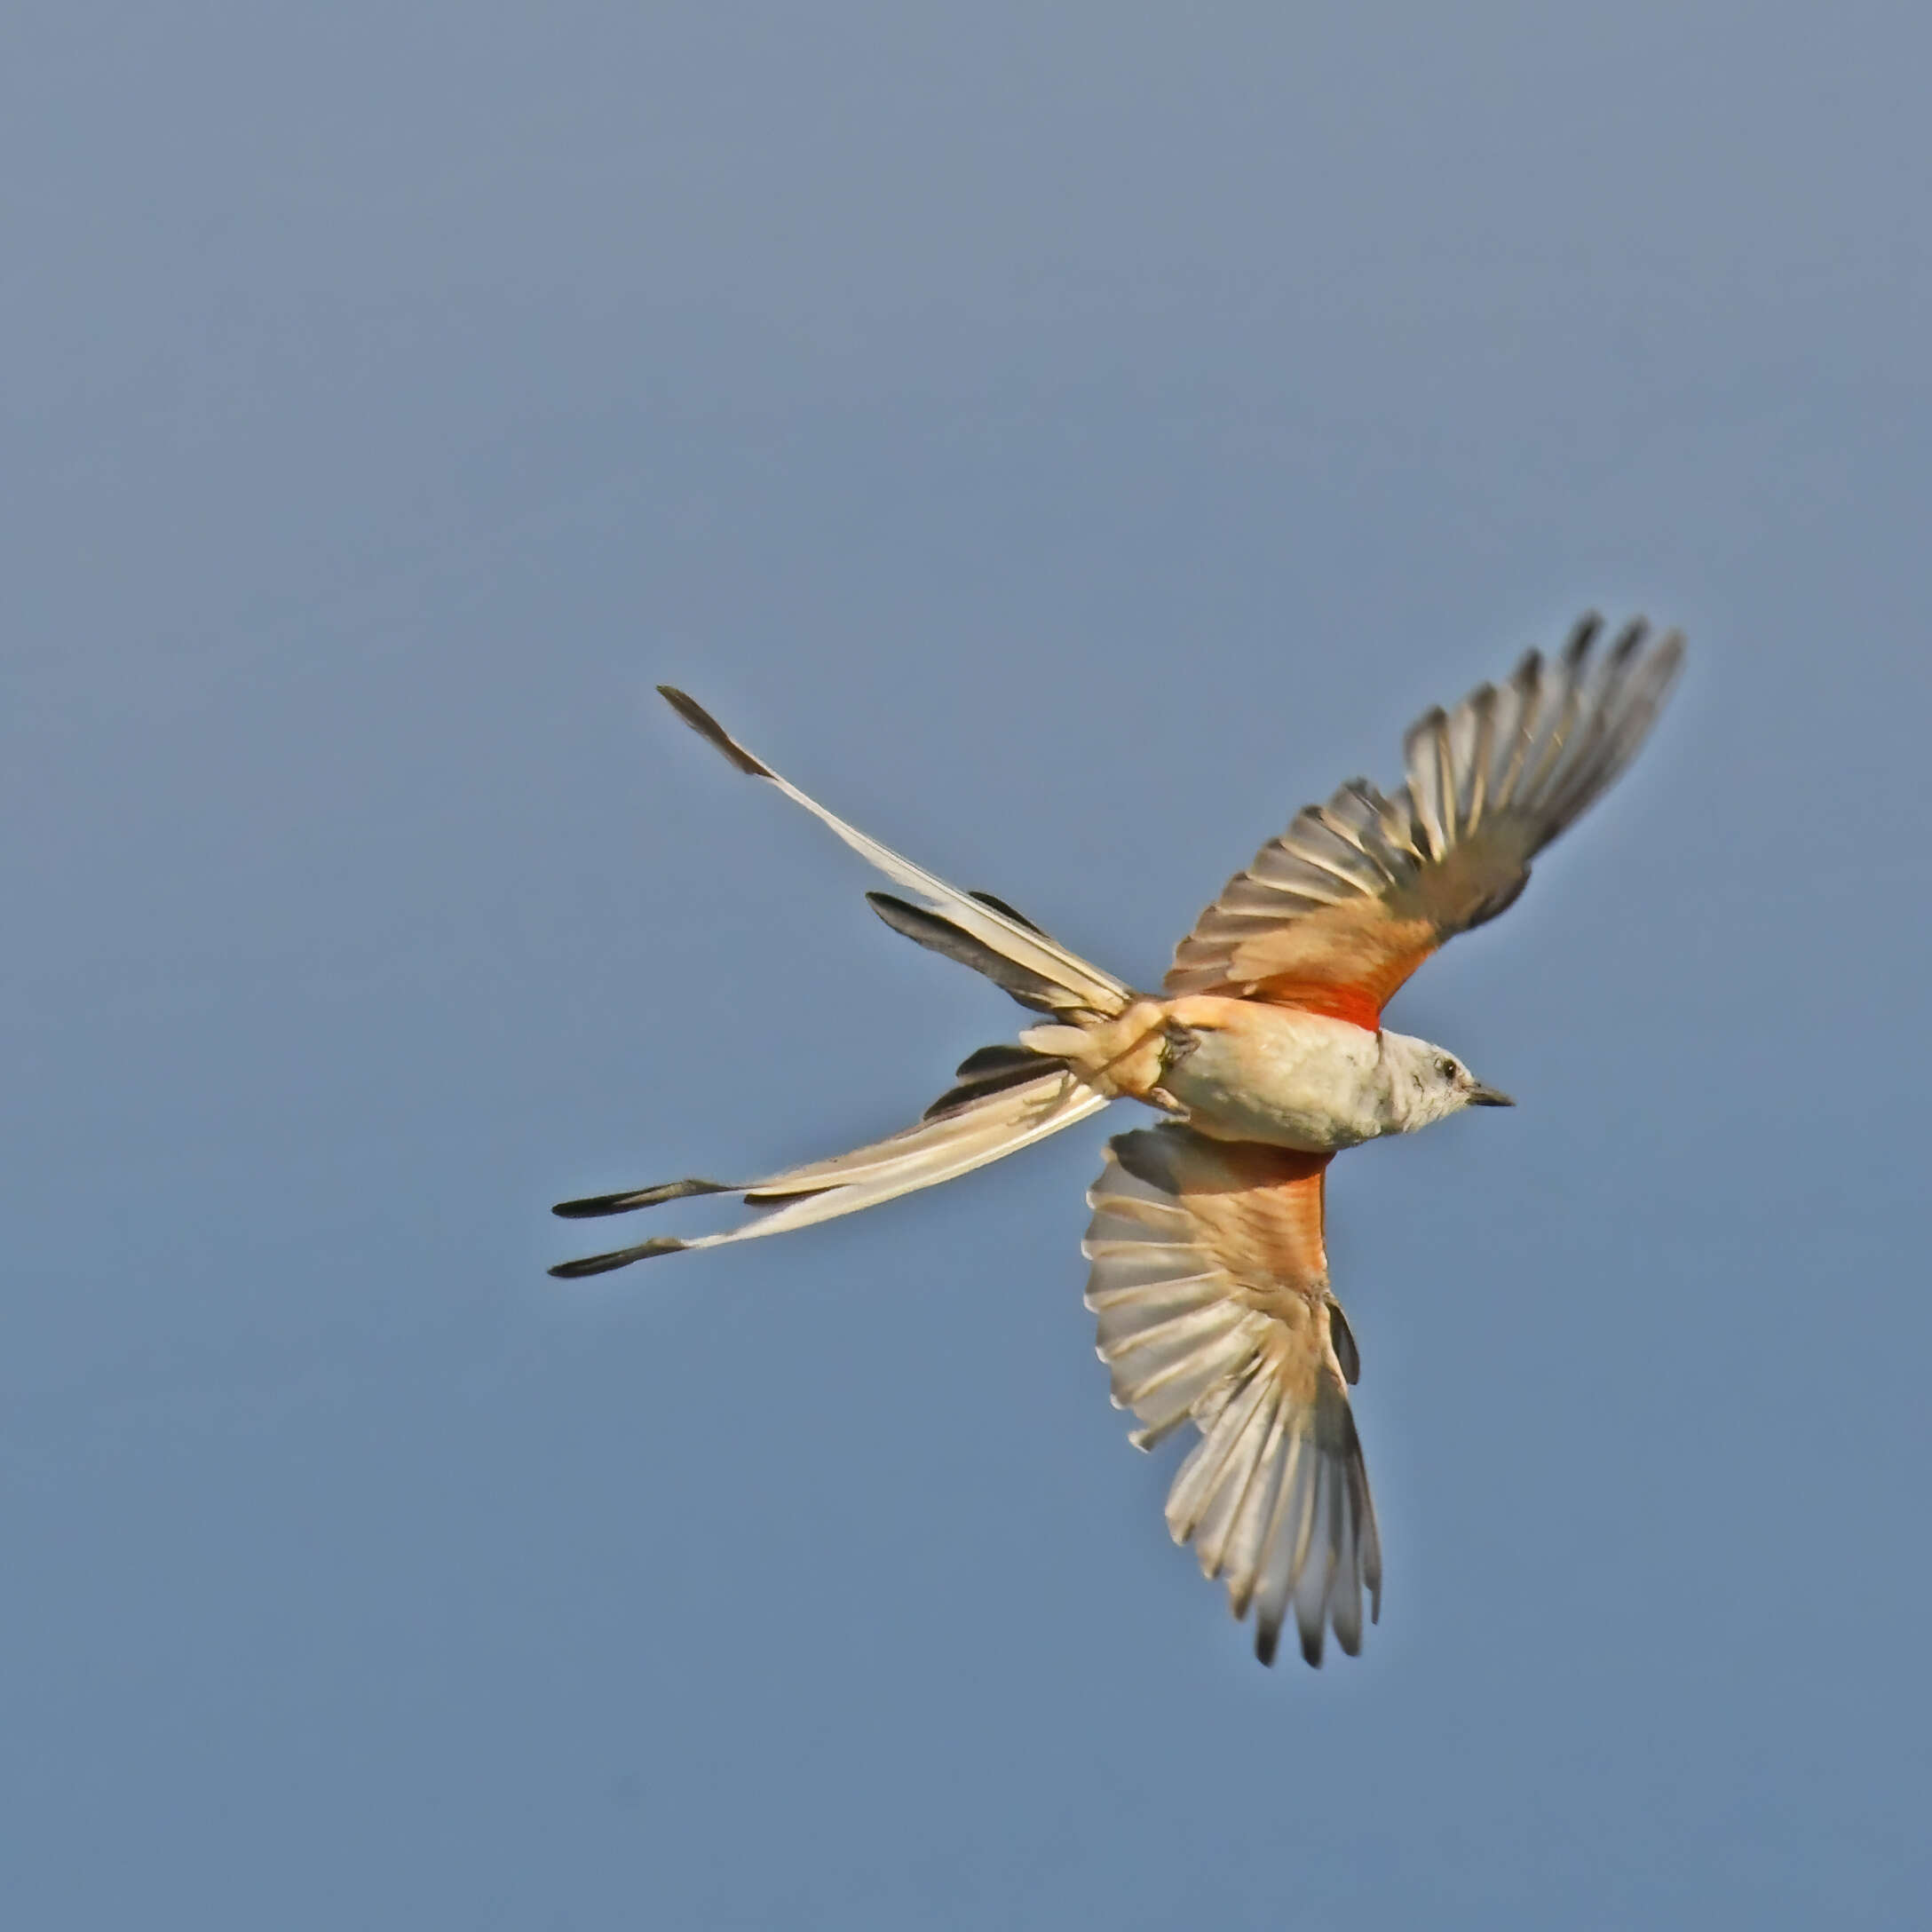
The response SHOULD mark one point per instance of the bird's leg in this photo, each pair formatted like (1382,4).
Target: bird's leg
(1176,1042)
(1130,1056)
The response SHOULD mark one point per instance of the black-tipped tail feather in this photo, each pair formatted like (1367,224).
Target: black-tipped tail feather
(1037,968)
(998,1113)
(707,727)
(999,905)
(938,934)
(594,1205)
(991,1070)
(622,1257)
(1005,1100)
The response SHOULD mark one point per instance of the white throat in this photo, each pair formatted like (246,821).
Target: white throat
(1424,1083)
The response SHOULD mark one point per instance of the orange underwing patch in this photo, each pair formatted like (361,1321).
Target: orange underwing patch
(1261,1208)
(1358,1002)
(1353,1004)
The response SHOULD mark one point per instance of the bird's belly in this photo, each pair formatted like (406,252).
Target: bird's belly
(1314,1086)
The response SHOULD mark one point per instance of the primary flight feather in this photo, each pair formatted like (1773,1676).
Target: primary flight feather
(1265,1049)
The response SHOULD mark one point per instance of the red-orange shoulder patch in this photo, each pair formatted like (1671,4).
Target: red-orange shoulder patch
(1355,1004)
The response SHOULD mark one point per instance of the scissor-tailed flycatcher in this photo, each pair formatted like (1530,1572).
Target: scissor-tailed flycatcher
(1266,1049)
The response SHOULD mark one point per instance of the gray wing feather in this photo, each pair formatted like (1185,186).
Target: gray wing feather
(1488,785)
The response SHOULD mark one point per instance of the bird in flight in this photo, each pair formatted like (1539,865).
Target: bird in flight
(1264,1050)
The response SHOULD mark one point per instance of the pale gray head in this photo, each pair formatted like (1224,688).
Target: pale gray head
(1428,1083)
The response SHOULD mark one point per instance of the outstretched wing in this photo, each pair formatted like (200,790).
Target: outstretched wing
(1210,1284)
(1336,913)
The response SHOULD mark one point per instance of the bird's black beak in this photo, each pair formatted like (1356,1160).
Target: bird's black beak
(1489,1097)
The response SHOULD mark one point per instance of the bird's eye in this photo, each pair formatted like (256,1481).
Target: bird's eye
(1448,1068)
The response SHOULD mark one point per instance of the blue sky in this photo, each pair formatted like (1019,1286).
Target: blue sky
(1067,440)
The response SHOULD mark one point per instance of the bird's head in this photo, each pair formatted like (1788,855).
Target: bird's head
(1428,1083)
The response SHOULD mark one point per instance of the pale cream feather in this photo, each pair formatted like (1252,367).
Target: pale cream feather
(1098,992)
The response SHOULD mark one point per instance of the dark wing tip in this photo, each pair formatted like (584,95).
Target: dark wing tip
(593,1204)
(706,726)
(1341,1340)
(1582,636)
(623,1257)
(1629,642)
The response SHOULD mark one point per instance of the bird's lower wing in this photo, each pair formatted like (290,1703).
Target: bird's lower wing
(1210,1287)
(939,1148)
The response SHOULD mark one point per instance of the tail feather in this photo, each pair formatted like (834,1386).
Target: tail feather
(938,934)
(638,1197)
(990,1069)
(1006,1098)
(998,1122)
(999,905)
(1077,986)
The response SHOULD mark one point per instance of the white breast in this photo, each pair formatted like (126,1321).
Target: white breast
(1290,1078)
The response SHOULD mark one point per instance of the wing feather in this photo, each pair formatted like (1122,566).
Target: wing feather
(1210,1290)
(1336,913)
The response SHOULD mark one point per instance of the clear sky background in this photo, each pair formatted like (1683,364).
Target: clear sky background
(1067,438)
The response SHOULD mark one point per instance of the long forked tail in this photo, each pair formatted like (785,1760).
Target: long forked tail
(997,1109)
(1008,1097)
(974,927)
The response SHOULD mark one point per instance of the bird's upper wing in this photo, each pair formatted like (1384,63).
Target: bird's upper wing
(1335,914)
(1210,1284)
